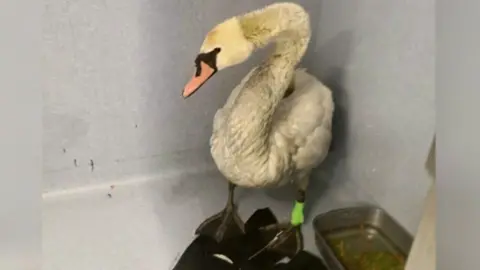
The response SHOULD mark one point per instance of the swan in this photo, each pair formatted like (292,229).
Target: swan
(275,126)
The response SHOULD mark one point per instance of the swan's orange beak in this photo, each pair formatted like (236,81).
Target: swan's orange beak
(202,74)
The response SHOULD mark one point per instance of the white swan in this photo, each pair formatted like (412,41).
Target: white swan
(276,125)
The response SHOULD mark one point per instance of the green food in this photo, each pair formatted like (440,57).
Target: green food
(379,260)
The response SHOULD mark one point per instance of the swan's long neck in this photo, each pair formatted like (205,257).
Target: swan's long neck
(287,25)
(249,122)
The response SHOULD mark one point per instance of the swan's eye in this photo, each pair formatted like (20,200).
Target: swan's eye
(209,58)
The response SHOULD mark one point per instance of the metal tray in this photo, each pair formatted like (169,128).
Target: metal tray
(364,228)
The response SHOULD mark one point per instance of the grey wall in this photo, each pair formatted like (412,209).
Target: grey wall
(378,56)
(115,69)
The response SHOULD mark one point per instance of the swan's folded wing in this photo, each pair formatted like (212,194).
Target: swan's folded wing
(304,121)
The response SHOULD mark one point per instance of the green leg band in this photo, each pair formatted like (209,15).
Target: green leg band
(297,214)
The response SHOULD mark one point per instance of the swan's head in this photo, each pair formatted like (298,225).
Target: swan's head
(224,46)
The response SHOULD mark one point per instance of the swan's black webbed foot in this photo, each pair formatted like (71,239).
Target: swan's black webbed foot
(224,225)
(286,238)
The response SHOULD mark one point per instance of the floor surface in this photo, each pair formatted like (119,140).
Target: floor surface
(145,224)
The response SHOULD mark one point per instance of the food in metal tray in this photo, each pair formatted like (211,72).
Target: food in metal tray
(365,260)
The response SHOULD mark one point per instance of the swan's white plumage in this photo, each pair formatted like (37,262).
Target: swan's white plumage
(300,132)
(294,133)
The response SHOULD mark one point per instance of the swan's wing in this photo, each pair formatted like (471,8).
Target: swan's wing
(302,122)
(309,106)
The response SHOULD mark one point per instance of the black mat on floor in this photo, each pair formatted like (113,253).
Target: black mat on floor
(204,253)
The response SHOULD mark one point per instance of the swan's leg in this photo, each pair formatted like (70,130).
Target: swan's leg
(287,236)
(225,224)
(297,218)
(297,213)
